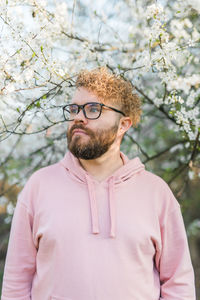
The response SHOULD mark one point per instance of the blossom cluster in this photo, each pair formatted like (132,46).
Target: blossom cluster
(44,44)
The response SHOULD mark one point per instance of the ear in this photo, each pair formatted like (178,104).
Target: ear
(124,124)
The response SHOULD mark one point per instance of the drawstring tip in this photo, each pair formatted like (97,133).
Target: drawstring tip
(95,231)
(112,235)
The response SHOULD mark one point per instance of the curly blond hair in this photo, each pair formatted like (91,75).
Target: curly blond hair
(112,89)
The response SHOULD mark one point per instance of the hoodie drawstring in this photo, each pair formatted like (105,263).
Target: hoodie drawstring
(112,206)
(128,170)
(93,206)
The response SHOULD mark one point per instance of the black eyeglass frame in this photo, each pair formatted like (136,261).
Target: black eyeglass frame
(83,109)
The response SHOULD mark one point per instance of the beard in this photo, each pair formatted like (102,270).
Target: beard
(98,142)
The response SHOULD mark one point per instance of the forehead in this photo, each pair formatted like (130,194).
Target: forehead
(82,95)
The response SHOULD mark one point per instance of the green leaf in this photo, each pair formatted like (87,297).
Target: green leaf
(30,106)
(38,104)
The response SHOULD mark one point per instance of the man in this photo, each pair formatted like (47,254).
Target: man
(96,225)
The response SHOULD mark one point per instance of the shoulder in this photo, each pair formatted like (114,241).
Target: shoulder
(152,180)
(160,190)
(38,178)
(44,173)
(38,181)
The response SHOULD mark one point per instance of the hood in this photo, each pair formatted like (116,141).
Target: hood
(127,171)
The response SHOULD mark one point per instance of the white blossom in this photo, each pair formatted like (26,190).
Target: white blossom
(10,208)
(154,10)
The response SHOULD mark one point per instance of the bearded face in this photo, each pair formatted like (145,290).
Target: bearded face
(90,144)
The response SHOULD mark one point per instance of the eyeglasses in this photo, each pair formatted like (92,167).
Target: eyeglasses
(91,110)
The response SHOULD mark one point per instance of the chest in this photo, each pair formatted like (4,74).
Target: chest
(64,218)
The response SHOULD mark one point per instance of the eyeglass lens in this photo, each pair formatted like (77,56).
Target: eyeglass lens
(92,111)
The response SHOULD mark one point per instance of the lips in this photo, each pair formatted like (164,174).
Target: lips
(78,131)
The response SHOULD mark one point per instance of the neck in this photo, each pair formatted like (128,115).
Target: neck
(102,167)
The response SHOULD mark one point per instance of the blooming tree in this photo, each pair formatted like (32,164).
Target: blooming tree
(44,44)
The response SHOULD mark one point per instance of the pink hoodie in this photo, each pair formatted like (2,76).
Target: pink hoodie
(74,238)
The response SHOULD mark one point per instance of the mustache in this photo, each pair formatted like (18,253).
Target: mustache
(86,130)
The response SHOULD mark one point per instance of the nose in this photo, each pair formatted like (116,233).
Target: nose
(80,117)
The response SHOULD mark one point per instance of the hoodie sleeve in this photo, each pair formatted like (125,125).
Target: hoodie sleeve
(20,264)
(173,261)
